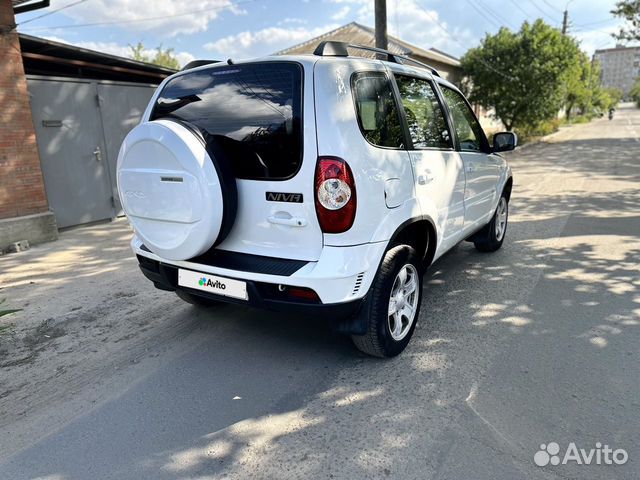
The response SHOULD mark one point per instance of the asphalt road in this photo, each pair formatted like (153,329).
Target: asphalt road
(534,344)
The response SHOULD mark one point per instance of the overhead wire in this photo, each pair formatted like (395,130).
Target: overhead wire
(141,20)
(51,12)
(439,25)
(543,12)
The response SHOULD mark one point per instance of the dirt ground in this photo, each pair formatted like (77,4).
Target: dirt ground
(85,309)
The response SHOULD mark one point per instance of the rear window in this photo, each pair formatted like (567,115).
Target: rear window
(253,112)
(377,110)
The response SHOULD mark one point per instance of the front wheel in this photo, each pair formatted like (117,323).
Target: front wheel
(490,238)
(393,305)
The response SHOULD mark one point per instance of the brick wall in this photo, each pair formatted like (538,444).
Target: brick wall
(21,185)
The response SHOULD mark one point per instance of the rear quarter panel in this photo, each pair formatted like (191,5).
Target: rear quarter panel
(338,134)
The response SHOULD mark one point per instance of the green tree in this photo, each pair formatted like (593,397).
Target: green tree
(635,92)
(579,85)
(522,75)
(629,10)
(162,57)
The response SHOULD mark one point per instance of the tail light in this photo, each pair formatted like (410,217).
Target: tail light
(335,195)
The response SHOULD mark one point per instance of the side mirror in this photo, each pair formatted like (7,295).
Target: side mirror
(504,141)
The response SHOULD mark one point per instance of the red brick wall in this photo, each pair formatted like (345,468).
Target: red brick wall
(21,185)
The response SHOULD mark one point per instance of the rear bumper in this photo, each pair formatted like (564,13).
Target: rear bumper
(261,295)
(340,275)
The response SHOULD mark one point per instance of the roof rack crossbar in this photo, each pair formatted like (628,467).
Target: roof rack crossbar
(332,48)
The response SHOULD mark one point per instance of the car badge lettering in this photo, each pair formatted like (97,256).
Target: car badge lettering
(284,197)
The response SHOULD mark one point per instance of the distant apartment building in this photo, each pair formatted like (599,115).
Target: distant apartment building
(620,66)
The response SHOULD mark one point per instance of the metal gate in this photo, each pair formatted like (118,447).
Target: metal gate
(80,125)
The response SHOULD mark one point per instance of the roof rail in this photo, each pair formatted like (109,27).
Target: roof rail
(198,63)
(332,48)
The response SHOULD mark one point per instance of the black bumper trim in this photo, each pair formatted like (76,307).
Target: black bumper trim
(246,262)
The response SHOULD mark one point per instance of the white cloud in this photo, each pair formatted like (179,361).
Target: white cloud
(411,22)
(171,17)
(262,42)
(300,21)
(590,41)
(114,48)
(341,14)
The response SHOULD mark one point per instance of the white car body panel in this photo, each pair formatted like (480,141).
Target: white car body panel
(339,135)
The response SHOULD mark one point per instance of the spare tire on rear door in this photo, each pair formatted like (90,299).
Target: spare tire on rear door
(176,188)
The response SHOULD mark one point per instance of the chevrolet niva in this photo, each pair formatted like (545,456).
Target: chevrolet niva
(322,183)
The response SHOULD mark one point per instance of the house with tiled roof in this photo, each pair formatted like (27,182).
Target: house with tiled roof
(447,65)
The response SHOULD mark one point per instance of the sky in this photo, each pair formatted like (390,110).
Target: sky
(221,29)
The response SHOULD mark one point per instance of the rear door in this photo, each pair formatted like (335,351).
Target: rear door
(261,115)
(482,169)
(438,168)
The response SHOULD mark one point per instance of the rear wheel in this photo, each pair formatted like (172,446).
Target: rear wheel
(490,238)
(393,305)
(197,300)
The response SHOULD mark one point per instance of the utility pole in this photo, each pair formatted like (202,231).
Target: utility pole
(565,21)
(381,24)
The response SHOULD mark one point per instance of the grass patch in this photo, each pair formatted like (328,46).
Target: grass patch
(4,312)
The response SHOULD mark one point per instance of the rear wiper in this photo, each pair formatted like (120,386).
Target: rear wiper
(165,107)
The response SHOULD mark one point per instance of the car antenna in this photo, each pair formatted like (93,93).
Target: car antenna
(229,61)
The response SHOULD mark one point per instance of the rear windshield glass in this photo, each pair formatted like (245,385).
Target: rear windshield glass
(377,110)
(252,111)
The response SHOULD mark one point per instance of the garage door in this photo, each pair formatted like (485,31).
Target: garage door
(79,128)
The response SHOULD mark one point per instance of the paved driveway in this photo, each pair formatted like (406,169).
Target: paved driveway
(104,377)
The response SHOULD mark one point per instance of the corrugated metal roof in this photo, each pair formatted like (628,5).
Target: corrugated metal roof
(46,57)
(359,34)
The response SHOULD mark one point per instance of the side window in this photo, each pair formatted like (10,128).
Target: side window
(467,127)
(377,110)
(425,117)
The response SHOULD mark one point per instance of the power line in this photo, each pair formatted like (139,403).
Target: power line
(446,32)
(495,14)
(482,13)
(611,19)
(520,8)
(141,20)
(544,13)
(51,12)
(546,2)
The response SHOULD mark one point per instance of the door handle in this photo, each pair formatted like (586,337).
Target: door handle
(98,154)
(289,222)
(471,168)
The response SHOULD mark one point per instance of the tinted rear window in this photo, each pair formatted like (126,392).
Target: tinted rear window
(377,111)
(252,111)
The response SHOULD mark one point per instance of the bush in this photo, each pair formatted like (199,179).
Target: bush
(635,92)
(528,133)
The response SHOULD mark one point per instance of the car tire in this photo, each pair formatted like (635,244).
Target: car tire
(491,237)
(197,300)
(398,288)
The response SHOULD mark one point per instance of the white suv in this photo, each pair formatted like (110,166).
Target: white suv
(321,183)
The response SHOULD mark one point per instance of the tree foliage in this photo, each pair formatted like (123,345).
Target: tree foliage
(629,10)
(160,56)
(523,75)
(635,92)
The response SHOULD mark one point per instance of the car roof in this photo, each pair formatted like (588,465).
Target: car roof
(311,59)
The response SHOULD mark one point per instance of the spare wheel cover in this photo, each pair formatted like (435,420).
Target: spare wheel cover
(171,190)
